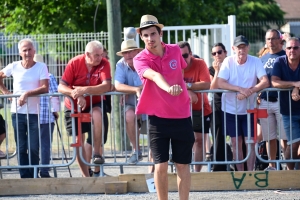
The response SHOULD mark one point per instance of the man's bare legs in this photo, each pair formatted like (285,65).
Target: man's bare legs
(198,149)
(287,154)
(131,128)
(272,150)
(2,137)
(151,167)
(259,137)
(88,152)
(239,150)
(161,180)
(283,144)
(207,146)
(97,123)
(183,180)
(83,168)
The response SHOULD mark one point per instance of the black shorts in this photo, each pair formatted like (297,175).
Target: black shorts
(2,125)
(206,120)
(179,132)
(85,126)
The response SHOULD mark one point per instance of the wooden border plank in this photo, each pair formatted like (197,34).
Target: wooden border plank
(116,187)
(216,181)
(54,185)
(204,181)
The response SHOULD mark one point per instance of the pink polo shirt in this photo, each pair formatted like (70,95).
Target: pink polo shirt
(154,100)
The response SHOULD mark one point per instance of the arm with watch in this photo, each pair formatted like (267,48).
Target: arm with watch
(198,86)
(191,87)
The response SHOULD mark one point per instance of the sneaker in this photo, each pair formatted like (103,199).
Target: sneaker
(45,175)
(97,174)
(207,158)
(91,172)
(133,158)
(269,168)
(2,154)
(98,159)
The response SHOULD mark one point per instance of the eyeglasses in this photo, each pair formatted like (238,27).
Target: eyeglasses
(294,48)
(186,55)
(272,39)
(218,52)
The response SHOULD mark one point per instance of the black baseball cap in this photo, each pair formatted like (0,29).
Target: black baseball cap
(240,40)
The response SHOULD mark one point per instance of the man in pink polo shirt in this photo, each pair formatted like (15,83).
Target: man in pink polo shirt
(165,99)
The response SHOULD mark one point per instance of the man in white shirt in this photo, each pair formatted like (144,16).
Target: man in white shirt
(239,73)
(30,79)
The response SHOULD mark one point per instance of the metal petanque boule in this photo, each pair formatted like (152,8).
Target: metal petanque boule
(130,33)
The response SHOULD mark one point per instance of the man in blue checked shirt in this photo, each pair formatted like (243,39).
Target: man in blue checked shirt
(47,120)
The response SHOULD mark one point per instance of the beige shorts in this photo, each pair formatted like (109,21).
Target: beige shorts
(272,126)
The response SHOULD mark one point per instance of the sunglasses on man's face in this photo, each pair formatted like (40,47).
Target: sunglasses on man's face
(186,55)
(294,48)
(218,52)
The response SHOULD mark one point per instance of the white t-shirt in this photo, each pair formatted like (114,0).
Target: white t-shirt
(25,80)
(245,76)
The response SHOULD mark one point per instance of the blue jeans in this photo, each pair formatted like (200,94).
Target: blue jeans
(46,135)
(24,140)
(295,121)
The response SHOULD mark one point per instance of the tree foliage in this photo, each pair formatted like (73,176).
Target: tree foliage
(54,16)
(259,10)
(57,16)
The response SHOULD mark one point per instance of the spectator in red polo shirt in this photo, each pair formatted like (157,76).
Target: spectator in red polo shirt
(88,73)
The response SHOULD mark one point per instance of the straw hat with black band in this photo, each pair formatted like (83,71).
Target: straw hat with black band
(148,20)
(128,45)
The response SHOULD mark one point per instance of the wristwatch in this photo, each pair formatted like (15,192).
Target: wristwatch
(188,85)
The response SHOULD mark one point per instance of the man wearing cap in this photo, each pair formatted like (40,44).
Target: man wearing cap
(165,99)
(273,123)
(239,73)
(87,73)
(128,81)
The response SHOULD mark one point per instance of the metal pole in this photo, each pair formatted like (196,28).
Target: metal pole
(232,24)
(114,44)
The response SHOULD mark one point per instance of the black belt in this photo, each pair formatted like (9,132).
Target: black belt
(271,99)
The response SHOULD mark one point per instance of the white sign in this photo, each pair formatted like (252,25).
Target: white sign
(150,184)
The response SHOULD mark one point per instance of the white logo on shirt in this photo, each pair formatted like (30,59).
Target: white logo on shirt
(269,63)
(173,64)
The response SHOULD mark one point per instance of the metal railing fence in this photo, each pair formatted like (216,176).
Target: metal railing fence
(120,157)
